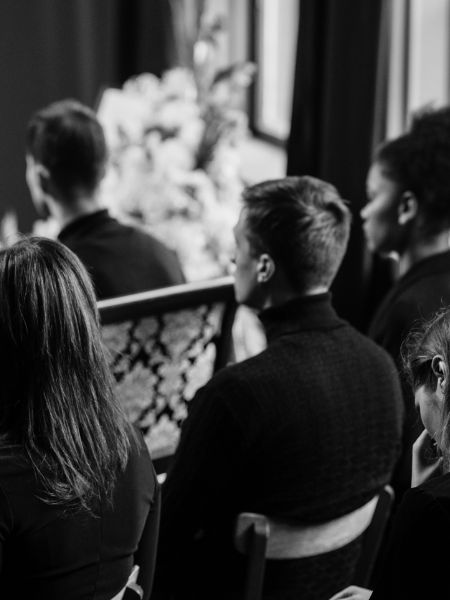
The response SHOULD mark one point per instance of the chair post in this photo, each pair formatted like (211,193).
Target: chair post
(224,341)
(373,538)
(257,536)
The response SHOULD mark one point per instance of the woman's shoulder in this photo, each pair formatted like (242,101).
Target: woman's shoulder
(139,460)
(436,488)
(430,500)
(414,567)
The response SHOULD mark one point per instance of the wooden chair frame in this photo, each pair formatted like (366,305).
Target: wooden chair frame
(177,297)
(155,303)
(253,531)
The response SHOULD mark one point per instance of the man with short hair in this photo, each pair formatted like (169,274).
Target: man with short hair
(66,157)
(305,432)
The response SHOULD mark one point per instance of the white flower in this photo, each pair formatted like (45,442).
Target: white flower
(179,83)
(174,113)
(174,163)
(123,115)
(174,155)
(146,86)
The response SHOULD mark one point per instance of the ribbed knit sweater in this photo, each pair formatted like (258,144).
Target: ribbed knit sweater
(308,430)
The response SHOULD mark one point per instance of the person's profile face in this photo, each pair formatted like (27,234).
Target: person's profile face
(380,215)
(429,406)
(245,266)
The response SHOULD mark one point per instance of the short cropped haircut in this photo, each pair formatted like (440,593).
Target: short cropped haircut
(67,138)
(419,162)
(303,224)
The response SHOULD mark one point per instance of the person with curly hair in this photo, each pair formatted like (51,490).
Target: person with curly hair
(407,218)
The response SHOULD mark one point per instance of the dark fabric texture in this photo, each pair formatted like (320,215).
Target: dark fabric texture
(333,114)
(416,296)
(49,554)
(121,259)
(307,431)
(416,562)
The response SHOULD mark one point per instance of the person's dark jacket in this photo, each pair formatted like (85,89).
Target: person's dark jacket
(120,258)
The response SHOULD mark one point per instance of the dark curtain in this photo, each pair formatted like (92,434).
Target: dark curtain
(53,49)
(337,109)
(146,37)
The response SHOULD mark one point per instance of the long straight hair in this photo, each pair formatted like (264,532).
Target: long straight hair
(56,395)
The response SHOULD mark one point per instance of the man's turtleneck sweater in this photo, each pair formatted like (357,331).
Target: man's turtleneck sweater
(308,430)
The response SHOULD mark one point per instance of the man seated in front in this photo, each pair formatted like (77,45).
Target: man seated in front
(305,432)
(66,156)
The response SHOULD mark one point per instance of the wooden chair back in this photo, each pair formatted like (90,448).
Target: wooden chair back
(260,538)
(373,537)
(162,346)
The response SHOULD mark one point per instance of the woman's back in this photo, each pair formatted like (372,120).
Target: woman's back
(416,564)
(78,494)
(50,553)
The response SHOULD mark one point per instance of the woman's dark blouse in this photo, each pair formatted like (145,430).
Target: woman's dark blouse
(415,297)
(48,554)
(417,560)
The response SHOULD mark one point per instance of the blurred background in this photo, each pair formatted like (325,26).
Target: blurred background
(333,78)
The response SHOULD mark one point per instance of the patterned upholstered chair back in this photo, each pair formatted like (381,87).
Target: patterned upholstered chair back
(163,345)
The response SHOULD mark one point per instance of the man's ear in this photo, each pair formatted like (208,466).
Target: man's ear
(440,371)
(408,208)
(43,177)
(265,268)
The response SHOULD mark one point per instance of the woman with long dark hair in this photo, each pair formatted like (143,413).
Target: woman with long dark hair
(416,562)
(79,501)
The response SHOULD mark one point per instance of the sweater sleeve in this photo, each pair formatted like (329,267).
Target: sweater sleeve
(416,563)
(201,482)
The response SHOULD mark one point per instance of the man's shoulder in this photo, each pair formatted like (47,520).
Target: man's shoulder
(372,353)
(102,227)
(240,374)
(238,383)
(364,341)
(93,236)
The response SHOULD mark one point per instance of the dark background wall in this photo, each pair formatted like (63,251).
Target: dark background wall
(53,49)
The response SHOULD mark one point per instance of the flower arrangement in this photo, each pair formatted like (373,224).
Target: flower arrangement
(174,162)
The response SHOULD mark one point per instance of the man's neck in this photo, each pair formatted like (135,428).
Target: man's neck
(423,249)
(281,297)
(66,212)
